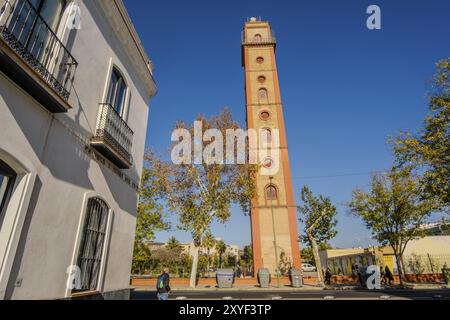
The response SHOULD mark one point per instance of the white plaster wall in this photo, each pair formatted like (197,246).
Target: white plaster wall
(54,144)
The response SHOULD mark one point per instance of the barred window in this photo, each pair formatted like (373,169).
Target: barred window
(92,243)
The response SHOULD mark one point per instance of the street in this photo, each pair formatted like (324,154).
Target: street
(301,295)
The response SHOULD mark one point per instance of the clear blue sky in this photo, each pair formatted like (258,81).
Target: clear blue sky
(345,89)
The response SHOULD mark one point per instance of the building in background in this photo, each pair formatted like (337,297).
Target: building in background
(188,248)
(73,118)
(231,250)
(273,212)
(441,228)
(422,256)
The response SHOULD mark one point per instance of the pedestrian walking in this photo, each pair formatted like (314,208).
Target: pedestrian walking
(389,275)
(162,285)
(383,276)
(328,275)
(359,275)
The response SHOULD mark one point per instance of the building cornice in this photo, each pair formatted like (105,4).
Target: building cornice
(123,27)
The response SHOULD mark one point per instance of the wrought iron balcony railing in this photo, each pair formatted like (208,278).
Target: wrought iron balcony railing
(113,137)
(258,40)
(26,32)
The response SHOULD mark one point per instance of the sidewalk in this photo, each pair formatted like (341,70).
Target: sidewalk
(236,288)
(414,286)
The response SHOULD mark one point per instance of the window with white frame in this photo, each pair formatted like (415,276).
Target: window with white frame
(117,92)
(92,244)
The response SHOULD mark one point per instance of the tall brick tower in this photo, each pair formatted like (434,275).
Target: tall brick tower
(273,213)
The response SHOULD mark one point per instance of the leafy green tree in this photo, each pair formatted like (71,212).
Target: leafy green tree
(174,245)
(203,193)
(318,215)
(141,259)
(174,250)
(231,261)
(429,150)
(150,216)
(394,210)
(221,247)
(208,242)
(203,263)
(307,253)
(247,258)
(186,264)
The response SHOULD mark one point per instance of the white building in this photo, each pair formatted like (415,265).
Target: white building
(73,119)
(231,250)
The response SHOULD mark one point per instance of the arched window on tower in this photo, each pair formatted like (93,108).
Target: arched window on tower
(257,38)
(271,192)
(263,96)
(266,137)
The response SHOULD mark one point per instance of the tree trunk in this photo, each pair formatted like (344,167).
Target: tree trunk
(208,266)
(403,268)
(315,249)
(193,281)
(399,266)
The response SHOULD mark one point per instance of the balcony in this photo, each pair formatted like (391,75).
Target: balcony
(33,56)
(113,137)
(259,41)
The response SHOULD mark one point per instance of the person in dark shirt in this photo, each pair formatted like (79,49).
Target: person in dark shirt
(389,275)
(328,276)
(162,285)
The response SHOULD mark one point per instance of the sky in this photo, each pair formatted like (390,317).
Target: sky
(345,89)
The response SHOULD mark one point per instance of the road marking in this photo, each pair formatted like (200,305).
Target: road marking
(277,298)
(306,293)
(329,298)
(227,298)
(181,298)
(385,297)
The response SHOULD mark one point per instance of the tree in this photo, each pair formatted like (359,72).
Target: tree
(429,151)
(202,263)
(247,258)
(202,193)
(318,214)
(150,216)
(307,253)
(174,245)
(221,247)
(394,210)
(231,261)
(208,243)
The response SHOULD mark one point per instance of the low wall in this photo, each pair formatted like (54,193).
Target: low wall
(309,280)
(418,278)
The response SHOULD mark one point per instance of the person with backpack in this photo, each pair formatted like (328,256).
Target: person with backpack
(162,285)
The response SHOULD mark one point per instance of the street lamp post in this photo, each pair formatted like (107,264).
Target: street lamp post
(274,237)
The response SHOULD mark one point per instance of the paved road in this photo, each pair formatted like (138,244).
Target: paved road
(301,295)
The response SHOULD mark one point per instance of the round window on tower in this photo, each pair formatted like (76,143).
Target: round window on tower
(268,163)
(260,60)
(261,79)
(265,115)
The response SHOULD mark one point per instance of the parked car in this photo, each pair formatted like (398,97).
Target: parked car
(306,267)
